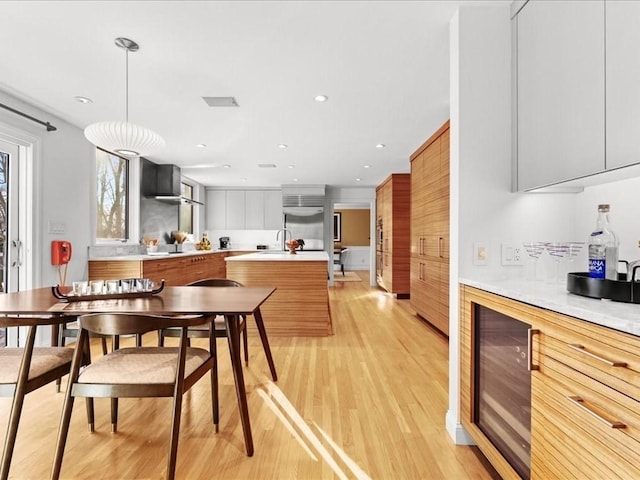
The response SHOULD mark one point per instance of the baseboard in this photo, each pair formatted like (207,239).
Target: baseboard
(456,431)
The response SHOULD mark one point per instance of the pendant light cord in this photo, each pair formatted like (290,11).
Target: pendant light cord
(127,87)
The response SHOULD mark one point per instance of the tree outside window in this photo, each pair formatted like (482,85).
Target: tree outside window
(186,209)
(112,211)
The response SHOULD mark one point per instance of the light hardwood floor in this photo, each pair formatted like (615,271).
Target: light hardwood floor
(367,402)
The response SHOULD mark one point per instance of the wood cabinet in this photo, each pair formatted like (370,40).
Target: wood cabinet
(429,219)
(236,209)
(585,393)
(174,270)
(393,217)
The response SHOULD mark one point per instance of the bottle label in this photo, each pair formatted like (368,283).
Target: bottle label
(597,267)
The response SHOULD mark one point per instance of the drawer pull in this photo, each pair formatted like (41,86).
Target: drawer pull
(581,349)
(530,333)
(580,402)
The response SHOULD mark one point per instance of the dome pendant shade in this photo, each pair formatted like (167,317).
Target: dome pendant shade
(124,138)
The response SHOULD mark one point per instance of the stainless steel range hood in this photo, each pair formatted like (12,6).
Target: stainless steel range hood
(303,195)
(163,182)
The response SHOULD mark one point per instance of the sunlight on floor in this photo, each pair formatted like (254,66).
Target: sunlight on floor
(277,401)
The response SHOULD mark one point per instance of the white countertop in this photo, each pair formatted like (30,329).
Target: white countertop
(120,258)
(555,297)
(273,256)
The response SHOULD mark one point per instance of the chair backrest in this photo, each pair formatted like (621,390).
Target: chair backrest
(216,282)
(126,324)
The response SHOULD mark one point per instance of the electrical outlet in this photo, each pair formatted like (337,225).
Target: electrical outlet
(512,254)
(480,254)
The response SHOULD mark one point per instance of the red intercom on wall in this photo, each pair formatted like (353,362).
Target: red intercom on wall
(60,252)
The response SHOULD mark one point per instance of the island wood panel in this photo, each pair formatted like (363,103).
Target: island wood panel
(300,304)
(109,269)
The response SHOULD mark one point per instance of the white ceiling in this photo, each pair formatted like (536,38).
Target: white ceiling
(383,64)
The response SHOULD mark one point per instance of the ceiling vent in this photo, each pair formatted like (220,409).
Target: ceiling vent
(266,165)
(221,101)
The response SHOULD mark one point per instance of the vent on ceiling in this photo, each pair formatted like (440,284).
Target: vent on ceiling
(266,165)
(221,101)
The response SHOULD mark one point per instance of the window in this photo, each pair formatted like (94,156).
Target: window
(186,209)
(112,212)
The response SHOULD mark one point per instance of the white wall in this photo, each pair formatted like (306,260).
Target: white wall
(624,198)
(63,171)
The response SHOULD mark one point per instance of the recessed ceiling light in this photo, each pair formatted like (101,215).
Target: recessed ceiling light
(291,166)
(321,98)
(366,166)
(358,179)
(226,166)
(244,179)
(295,179)
(380,145)
(83,99)
(283,146)
(201,145)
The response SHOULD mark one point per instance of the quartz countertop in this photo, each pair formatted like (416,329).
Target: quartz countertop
(143,256)
(624,317)
(278,256)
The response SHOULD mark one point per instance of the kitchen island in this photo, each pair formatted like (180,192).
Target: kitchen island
(300,304)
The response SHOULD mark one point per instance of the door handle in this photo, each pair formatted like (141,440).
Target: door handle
(18,261)
(530,333)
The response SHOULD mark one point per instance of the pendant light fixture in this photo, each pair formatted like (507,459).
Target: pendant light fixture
(124,138)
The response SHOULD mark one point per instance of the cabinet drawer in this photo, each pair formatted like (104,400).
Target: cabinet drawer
(575,413)
(606,355)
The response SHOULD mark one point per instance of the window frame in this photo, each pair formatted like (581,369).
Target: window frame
(132,212)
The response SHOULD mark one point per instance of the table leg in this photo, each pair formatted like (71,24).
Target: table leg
(233,338)
(265,343)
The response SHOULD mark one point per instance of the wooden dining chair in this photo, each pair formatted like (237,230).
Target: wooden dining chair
(138,371)
(23,370)
(70,330)
(220,330)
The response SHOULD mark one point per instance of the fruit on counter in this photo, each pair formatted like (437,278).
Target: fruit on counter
(204,244)
(293,243)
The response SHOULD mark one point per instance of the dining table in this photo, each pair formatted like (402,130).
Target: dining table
(230,302)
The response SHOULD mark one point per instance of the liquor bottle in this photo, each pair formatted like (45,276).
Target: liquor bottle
(603,248)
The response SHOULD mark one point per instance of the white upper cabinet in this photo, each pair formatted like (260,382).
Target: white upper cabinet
(244,209)
(235,209)
(215,209)
(560,91)
(273,215)
(623,83)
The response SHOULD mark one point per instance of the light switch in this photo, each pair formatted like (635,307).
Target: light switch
(480,254)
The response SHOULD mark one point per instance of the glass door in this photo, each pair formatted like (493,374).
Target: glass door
(503,386)
(10,242)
